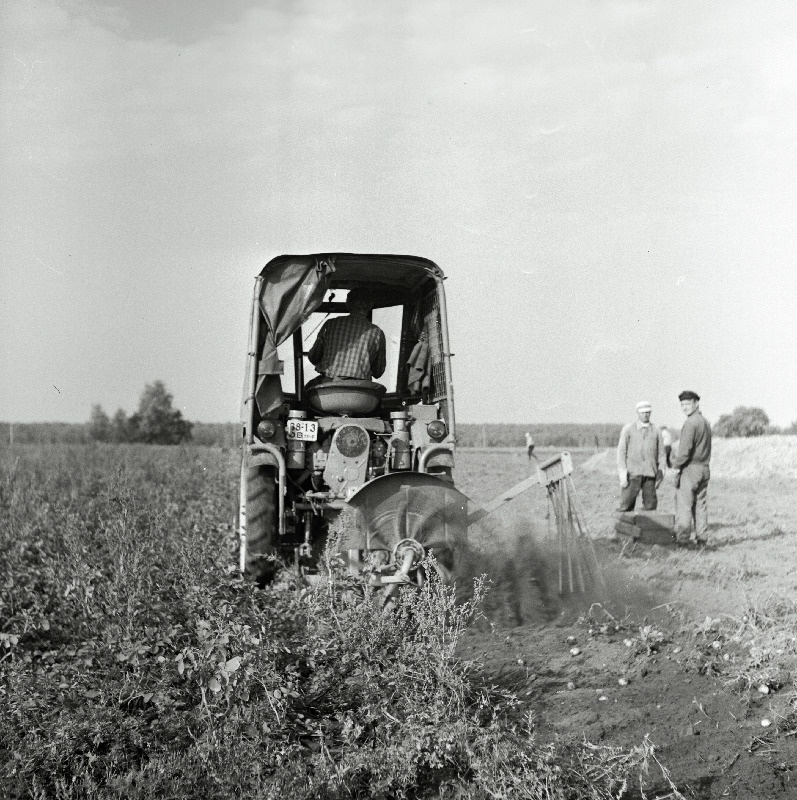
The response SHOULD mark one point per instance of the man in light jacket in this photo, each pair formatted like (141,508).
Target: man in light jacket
(640,460)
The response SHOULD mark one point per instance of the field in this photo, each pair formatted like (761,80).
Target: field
(133,662)
(704,641)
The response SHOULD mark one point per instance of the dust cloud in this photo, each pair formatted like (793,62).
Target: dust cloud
(522,566)
(535,576)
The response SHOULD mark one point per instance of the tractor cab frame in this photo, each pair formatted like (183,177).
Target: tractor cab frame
(385,450)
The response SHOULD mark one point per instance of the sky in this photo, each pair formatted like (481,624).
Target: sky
(610,188)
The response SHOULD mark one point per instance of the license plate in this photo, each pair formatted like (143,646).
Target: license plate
(303,430)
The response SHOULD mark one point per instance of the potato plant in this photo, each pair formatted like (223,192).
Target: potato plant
(135,663)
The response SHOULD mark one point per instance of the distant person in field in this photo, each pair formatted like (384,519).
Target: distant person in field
(640,460)
(666,437)
(692,473)
(530,445)
(350,347)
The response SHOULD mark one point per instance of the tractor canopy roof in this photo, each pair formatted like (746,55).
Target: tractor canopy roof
(389,277)
(294,286)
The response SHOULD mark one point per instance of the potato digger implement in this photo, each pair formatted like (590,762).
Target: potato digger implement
(370,463)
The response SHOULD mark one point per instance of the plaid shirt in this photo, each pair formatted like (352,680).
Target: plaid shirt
(349,347)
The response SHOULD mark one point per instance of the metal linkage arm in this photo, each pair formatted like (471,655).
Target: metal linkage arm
(549,472)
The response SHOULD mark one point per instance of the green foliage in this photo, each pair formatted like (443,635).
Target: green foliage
(228,434)
(100,427)
(134,663)
(43,433)
(122,429)
(743,422)
(155,422)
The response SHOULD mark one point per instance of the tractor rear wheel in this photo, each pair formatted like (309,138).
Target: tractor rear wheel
(261,522)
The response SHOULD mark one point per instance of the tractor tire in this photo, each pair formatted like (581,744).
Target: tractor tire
(261,523)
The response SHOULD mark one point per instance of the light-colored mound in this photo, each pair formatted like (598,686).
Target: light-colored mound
(602,461)
(759,457)
(763,456)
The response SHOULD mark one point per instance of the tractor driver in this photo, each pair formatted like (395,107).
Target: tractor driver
(351,347)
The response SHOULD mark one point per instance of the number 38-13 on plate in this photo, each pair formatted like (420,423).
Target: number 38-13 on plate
(303,430)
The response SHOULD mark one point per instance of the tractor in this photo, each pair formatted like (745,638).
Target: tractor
(370,462)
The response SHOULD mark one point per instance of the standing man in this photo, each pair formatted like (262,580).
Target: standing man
(666,437)
(530,445)
(640,460)
(692,476)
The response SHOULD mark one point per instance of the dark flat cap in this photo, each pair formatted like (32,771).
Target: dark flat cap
(689,396)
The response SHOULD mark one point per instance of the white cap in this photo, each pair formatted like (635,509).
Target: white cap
(644,405)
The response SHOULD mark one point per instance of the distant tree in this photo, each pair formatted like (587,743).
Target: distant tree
(99,424)
(120,427)
(745,421)
(792,429)
(133,428)
(156,421)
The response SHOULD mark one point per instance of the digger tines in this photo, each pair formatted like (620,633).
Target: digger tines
(578,564)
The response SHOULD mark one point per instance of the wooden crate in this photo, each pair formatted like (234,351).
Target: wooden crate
(653,527)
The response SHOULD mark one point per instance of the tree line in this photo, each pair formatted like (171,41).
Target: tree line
(496,434)
(156,421)
(203,434)
(746,421)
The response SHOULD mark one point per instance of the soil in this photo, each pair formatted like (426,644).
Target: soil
(693,650)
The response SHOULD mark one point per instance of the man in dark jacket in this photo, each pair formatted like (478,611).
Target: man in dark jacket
(692,472)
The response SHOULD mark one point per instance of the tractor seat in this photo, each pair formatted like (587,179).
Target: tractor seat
(344,396)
